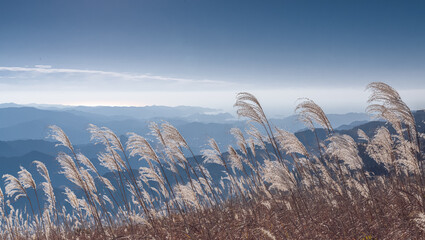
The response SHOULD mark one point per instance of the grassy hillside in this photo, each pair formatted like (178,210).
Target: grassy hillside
(363,183)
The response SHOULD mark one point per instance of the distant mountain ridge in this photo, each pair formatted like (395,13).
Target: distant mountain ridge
(22,122)
(145,112)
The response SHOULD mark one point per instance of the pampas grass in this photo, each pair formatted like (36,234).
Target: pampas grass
(272,186)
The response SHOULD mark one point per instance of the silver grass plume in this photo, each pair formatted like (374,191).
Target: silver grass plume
(156,191)
(70,170)
(406,157)
(112,143)
(145,195)
(251,144)
(198,189)
(389,116)
(327,178)
(108,200)
(387,97)
(49,193)
(13,186)
(206,171)
(142,179)
(26,179)
(113,139)
(240,140)
(344,148)
(47,220)
(139,146)
(178,154)
(105,136)
(42,169)
(86,162)
(241,183)
(172,166)
(212,155)
(156,131)
(85,206)
(89,180)
(207,181)
(96,199)
(249,107)
(47,186)
(59,135)
(10,206)
(258,138)
(184,193)
(171,133)
(362,135)
(309,112)
(213,144)
(235,159)
(278,176)
(380,148)
(290,143)
(151,174)
(174,142)
(170,160)
(107,183)
(133,192)
(108,161)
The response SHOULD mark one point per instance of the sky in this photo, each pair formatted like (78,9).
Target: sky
(201,53)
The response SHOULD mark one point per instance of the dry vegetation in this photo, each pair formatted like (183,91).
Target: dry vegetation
(274,188)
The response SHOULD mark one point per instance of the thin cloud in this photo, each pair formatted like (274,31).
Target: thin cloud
(47,69)
(43,66)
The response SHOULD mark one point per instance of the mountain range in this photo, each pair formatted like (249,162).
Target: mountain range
(197,124)
(23,132)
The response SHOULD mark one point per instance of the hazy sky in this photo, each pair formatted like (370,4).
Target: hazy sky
(198,52)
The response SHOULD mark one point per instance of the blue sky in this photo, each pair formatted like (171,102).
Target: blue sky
(198,52)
